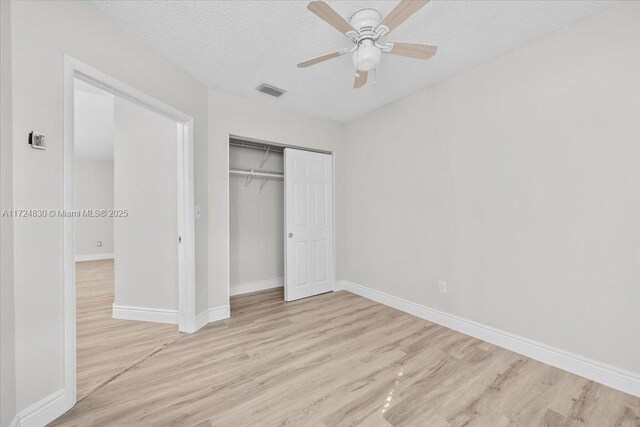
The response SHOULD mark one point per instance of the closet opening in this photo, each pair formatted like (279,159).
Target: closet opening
(280,220)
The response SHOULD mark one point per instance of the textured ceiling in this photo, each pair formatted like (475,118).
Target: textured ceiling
(236,45)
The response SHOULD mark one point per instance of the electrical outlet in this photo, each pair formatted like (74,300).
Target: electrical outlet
(442,286)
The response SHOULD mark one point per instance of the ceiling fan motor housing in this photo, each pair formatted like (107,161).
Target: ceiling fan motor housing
(367,55)
(366,20)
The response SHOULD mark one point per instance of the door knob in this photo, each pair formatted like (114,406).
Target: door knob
(290,235)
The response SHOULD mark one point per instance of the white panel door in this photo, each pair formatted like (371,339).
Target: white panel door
(308,189)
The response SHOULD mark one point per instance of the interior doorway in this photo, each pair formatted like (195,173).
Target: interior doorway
(280,220)
(125,249)
(117,322)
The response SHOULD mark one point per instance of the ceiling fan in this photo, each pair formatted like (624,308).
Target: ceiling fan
(365,29)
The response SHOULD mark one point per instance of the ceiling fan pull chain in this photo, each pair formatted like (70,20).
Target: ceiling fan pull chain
(374,76)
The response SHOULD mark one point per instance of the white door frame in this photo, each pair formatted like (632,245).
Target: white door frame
(186,219)
(333,202)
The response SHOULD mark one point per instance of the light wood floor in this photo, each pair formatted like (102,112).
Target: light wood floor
(107,346)
(340,359)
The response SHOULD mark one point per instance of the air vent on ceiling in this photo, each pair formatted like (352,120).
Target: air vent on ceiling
(270,90)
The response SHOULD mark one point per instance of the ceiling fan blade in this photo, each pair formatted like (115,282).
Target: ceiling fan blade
(361,79)
(412,50)
(330,16)
(313,61)
(401,12)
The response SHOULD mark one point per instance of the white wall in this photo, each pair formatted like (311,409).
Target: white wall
(7,313)
(518,182)
(232,115)
(42,33)
(146,264)
(93,189)
(93,112)
(256,221)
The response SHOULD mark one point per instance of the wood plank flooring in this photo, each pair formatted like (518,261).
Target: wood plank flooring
(108,346)
(341,360)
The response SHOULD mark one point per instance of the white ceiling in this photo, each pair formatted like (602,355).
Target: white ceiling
(236,45)
(93,122)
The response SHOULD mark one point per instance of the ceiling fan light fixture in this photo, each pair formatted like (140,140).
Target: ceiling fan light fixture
(366,30)
(366,57)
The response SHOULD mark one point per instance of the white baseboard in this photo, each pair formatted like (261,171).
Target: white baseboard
(219,313)
(158,315)
(626,381)
(260,285)
(94,257)
(202,319)
(212,315)
(42,412)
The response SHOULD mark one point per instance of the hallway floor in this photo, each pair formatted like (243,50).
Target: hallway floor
(106,347)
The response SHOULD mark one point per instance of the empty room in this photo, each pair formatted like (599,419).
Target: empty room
(320,213)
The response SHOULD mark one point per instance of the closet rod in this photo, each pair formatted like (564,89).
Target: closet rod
(251,172)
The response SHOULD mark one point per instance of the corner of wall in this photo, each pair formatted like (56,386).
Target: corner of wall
(341,229)
(7,318)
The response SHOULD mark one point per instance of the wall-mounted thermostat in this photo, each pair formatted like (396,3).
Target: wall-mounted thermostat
(36,140)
